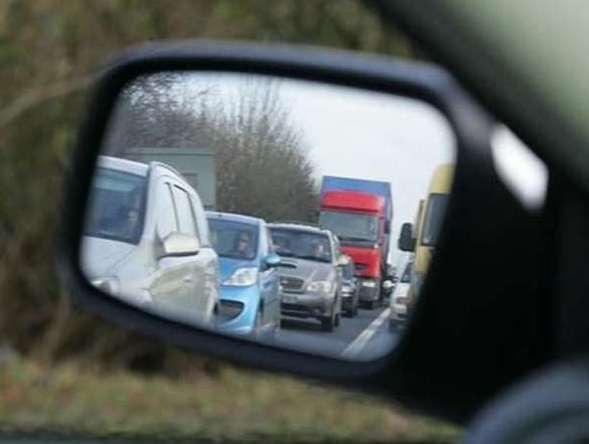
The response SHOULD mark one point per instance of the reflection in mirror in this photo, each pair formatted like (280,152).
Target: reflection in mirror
(270,208)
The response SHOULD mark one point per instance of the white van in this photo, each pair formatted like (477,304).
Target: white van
(146,241)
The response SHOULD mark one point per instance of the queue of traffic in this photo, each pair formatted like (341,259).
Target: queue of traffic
(149,240)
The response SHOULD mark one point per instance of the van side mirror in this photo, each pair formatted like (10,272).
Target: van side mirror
(179,244)
(406,239)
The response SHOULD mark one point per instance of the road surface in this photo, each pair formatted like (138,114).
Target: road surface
(364,337)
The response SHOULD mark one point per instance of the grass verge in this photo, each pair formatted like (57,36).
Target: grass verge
(235,405)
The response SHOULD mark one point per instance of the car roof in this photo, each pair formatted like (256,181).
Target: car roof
(235,217)
(129,166)
(299,227)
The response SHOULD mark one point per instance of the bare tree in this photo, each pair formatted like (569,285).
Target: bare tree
(263,164)
(158,111)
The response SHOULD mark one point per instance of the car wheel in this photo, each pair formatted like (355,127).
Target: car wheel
(337,320)
(328,323)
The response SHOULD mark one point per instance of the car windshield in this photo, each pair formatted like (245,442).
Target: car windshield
(116,206)
(301,244)
(350,226)
(436,208)
(406,278)
(233,239)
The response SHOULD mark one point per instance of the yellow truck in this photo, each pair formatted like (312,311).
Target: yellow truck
(422,236)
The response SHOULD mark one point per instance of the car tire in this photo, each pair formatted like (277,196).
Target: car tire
(337,320)
(328,323)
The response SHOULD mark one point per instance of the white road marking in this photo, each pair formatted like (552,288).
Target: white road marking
(360,342)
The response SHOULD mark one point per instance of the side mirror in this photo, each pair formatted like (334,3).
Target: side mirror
(286,264)
(178,245)
(272,261)
(408,90)
(406,239)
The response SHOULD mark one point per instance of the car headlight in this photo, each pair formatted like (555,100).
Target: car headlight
(370,284)
(110,285)
(242,277)
(320,287)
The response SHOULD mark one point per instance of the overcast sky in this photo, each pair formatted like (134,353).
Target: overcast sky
(362,134)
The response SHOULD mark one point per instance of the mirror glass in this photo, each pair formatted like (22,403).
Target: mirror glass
(290,212)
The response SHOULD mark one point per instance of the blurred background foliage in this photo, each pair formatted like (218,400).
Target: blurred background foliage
(49,51)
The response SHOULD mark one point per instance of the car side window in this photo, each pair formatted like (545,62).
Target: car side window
(186,219)
(166,218)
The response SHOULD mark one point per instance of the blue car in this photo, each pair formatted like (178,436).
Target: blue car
(250,298)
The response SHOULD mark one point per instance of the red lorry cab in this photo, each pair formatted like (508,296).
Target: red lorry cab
(358,219)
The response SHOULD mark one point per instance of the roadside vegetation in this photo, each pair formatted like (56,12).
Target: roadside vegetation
(232,405)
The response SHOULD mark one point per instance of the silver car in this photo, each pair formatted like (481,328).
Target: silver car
(311,276)
(146,241)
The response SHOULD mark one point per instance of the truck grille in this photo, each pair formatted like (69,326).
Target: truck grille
(291,283)
(359,268)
